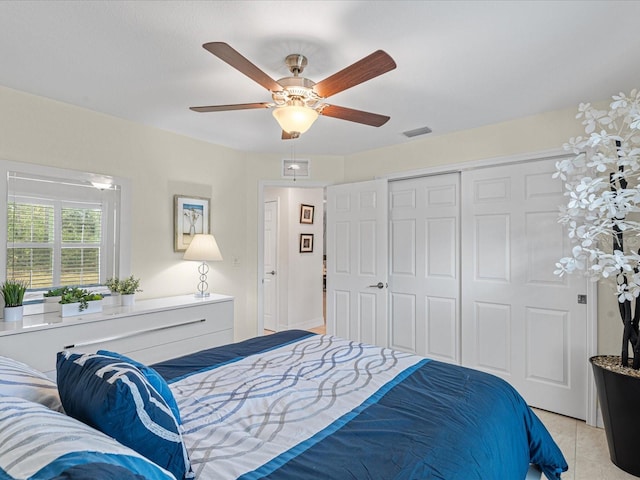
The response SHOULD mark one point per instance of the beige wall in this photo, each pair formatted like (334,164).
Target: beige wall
(526,135)
(161,164)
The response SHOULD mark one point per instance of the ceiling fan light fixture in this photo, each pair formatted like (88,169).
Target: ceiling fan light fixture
(295,118)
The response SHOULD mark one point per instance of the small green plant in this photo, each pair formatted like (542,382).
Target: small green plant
(113,284)
(129,286)
(55,292)
(12,292)
(79,295)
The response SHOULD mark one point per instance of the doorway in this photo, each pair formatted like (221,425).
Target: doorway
(290,256)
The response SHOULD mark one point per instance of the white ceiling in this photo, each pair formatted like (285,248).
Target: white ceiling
(461,64)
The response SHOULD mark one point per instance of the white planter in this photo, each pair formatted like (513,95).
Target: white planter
(128,300)
(71,309)
(13,314)
(113,300)
(51,304)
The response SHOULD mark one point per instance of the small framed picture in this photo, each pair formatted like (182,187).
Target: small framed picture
(306,242)
(306,213)
(190,216)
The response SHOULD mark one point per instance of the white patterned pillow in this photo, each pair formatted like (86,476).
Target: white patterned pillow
(20,380)
(40,444)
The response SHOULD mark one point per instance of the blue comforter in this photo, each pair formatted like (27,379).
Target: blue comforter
(425,420)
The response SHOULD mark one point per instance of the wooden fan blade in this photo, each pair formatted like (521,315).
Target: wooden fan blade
(225,108)
(377,63)
(352,115)
(227,54)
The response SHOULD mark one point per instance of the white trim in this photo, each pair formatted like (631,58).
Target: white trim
(261,186)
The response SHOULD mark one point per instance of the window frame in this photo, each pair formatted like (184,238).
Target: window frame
(116,225)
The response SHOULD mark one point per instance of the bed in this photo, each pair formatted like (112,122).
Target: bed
(299,405)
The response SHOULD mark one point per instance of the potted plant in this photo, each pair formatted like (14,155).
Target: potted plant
(128,288)
(53,294)
(78,301)
(603,223)
(12,292)
(52,299)
(113,284)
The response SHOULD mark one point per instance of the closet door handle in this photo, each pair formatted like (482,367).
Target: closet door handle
(377,285)
(272,272)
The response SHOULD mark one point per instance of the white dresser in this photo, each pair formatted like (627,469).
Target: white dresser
(149,331)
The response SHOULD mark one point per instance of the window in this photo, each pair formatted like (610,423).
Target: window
(53,244)
(61,231)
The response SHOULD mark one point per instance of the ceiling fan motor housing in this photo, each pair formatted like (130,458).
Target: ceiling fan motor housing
(296,88)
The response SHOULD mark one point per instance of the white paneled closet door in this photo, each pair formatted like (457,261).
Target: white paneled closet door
(357,261)
(520,321)
(424,279)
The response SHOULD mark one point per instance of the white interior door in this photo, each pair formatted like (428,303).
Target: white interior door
(520,321)
(357,261)
(424,278)
(270,279)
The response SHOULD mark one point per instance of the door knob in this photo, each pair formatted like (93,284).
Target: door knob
(272,272)
(377,285)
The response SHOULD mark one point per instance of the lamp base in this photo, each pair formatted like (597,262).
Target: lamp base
(201,294)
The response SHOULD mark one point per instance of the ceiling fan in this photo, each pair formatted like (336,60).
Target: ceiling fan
(297,101)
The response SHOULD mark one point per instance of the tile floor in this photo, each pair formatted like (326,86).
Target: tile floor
(584,447)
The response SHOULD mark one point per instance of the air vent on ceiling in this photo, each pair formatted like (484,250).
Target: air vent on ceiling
(417,132)
(296,168)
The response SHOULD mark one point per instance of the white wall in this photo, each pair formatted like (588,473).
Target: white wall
(299,274)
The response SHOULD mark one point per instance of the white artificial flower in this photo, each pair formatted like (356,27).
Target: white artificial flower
(602,187)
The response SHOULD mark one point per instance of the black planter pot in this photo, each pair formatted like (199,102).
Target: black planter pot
(619,396)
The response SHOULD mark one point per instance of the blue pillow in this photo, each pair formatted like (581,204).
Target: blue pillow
(154,378)
(39,444)
(116,398)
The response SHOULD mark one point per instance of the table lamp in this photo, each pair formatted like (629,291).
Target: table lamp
(203,248)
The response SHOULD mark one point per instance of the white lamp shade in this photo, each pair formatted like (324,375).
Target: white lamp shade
(203,248)
(294,118)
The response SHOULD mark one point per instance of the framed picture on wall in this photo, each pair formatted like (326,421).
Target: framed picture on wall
(190,216)
(306,213)
(306,242)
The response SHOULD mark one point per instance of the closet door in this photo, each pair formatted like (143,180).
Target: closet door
(424,279)
(519,320)
(357,216)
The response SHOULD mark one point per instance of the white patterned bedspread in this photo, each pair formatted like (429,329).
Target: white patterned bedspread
(241,415)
